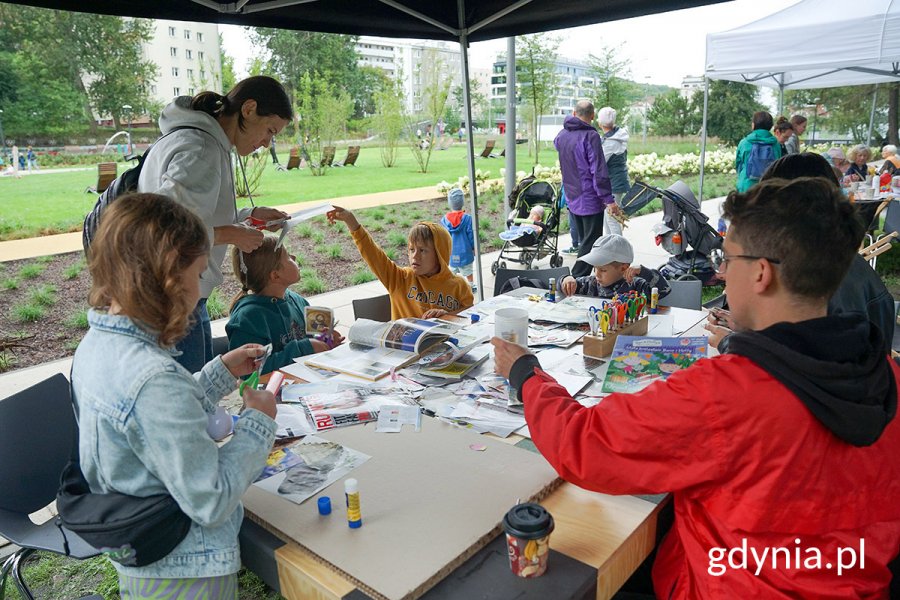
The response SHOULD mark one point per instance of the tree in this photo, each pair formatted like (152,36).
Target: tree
(388,120)
(435,80)
(847,109)
(366,83)
(673,114)
(293,54)
(609,72)
(480,104)
(731,108)
(229,79)
(322,113)
(538,80)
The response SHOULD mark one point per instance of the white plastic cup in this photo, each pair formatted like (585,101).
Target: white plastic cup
(511,324)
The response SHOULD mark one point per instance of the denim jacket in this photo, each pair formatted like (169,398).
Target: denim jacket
(142,425)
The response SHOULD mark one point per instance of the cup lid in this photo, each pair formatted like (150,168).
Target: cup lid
(528,521)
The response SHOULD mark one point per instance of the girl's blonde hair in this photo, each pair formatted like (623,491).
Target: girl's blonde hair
(252,269)
(144,244)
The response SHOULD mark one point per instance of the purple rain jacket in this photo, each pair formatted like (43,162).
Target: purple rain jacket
(584,173)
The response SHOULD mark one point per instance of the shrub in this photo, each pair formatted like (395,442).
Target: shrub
(304,230)
(334,251)
(73,270)
(362,275)
(31,271)
(44,295)
(396,238)
(79,319)
(10,283)
(27,312)
(318,236)
(312,285)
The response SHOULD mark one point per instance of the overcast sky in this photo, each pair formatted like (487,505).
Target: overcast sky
(662,48)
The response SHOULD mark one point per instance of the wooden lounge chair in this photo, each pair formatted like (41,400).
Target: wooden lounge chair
(293,159)
(445,143)
(328,156)
(879,246)
(488,146)
(106,174)
(350,159)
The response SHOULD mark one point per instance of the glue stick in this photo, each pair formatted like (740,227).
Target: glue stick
(351,492)
(654,300)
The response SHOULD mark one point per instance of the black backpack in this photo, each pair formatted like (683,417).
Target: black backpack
(121,185)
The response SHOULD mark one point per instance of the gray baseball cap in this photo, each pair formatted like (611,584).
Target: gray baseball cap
(609,249)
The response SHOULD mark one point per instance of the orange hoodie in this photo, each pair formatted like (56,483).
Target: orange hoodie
(412,295)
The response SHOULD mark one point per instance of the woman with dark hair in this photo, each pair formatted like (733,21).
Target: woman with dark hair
(793,144)
(756,152)
(192,164)
(783,131)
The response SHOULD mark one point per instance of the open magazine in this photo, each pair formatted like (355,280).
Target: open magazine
(376,348)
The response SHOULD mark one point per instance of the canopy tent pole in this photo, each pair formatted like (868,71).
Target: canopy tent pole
(470,144)
(872,117)
(781,94)
(703,135)
(510,179)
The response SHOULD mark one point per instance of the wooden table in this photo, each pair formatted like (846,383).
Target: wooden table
(611,534)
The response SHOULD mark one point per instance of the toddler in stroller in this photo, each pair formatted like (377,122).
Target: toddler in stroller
(684,231)
(533,226)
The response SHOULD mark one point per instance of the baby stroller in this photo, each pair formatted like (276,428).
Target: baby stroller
(533,246)
(684,232)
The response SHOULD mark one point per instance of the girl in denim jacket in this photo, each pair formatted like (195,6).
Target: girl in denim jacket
(143,417)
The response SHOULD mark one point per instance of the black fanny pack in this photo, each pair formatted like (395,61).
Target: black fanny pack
(131,530)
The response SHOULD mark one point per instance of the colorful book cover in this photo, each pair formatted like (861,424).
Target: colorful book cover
(636,362)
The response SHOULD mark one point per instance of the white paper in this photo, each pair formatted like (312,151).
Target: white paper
(660,325)
(572,383)
(391,419)
(292,421)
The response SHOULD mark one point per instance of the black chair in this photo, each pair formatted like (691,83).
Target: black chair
(543,275)
(39,435)
(684,294)
(377,308)
(219,345)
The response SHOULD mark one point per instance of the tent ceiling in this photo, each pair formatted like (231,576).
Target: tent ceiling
(385,17)
(812,44)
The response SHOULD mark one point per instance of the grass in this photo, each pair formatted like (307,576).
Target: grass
(710,292)
(304,230)
(44,295)
(7,361)
(362,275)
(334,251)
(216,305)
(10,283)
(74,270)
(310,282)
(318,236)
(32,271)
(396,238)
(28,312)
(391,253)
(46,259)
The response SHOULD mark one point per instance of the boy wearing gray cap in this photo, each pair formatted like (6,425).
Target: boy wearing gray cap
(459,224)
(611,258)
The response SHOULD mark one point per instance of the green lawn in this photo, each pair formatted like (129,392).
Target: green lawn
(53,203)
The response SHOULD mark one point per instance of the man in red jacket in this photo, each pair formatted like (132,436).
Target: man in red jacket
(783,454)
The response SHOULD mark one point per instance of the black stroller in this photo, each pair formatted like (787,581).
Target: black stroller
(684,232)
(533,246)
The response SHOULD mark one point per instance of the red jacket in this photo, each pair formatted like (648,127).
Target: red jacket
(745,460)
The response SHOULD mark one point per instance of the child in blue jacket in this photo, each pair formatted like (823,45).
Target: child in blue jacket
(459,224)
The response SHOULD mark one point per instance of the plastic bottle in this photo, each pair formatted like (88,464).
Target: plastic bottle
(654,300)
(885,182)
(351,493)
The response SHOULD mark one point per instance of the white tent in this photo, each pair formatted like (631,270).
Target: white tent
(812,44)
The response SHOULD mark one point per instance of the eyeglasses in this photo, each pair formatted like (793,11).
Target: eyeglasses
(720,261)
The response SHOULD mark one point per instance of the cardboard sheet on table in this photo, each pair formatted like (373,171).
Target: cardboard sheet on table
(428,502)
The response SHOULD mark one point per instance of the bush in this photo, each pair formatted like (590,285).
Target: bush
(31,271)
(78,320)
(10,283)
(74,270)
(28,312)
(44,295)
(362,275)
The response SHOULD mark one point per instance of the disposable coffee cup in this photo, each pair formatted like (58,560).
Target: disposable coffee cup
(511,324)
(854,186)
(895,182)
(528,527)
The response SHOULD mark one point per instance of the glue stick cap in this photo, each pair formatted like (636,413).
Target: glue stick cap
(351,486)
(324,505)
(476,317)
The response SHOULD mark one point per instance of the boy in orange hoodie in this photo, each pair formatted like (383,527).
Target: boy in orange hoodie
(425,289)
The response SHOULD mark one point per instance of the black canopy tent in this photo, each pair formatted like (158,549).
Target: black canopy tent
(463,21)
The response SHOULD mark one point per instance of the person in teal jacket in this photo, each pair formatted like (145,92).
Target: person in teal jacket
(267,311)
(751,164)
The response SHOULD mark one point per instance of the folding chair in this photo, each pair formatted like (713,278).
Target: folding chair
(881,245)
(543,275)
(350,159)
(377,308)
(106,174)
(39,436)
(488,147)
(684,294)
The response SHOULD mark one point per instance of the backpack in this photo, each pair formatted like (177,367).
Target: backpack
(121,185)
(761,156)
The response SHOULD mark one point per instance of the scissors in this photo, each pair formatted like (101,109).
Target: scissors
(594,318)
(604,321)
(253,380)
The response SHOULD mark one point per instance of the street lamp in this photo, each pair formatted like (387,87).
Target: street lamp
(127,108)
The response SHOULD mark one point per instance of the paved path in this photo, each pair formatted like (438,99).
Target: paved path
(638,232)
